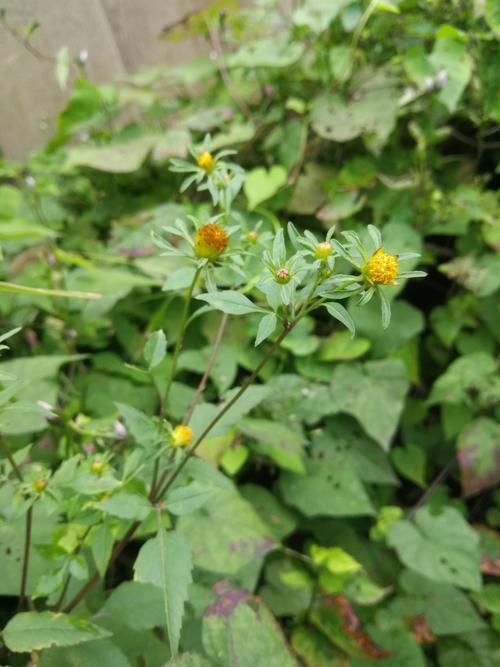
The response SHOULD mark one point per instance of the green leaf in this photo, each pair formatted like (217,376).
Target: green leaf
(186,499)
(338,311)
(280,443)
(101,652)
(410,462)
(373,393)
(343,438)
(492,15)
(330,488)
(262,184)
(465,376)
(318,14)
(342,347)
(478,455)
(126,506)
(43,291)
(276,52)
(11,230)
(279,519)
(233,303)
(138,605)
(315,650)
(451,55)
(118,158)
(239,630)
(443,548)
(165,561)
(33,631)
(101,545)
(267,325)
(189,660)
(155,349)
(142,428)
(225,534)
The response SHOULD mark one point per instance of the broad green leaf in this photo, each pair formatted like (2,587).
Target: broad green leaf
(329,488)
(126,506)
(401,648)
(101,545)
(318,14)
(137,605)
(447,609)
(342,438)
(492,15)
(451,56)
(342,347)
(276,52)
(478,453)
(315,650)
(261,184)
(165,561)
(277,441)
(142,428)
(465,376)
(293,400)
(118,158)
(233,303)
(481,649)
(186,499)
(410,462)
(11,230)
(280,520)
(373,393)
(33,631)
(189,660)
(225,534)
(101,652)
(240,630)
(441,547)
(155,349)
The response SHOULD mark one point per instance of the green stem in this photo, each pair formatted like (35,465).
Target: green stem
(11,460)
(26,557)
(180,338)
(189,453)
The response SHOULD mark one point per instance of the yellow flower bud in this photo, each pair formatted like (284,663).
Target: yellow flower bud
(40,484)
(206,161)
(210,241)
(97,467)
(323,251)
(382,269)
(182,436)
(252,236)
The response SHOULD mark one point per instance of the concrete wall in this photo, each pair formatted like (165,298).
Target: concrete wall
(120,36)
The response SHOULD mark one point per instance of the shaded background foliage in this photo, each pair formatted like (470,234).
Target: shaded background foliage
(373,460)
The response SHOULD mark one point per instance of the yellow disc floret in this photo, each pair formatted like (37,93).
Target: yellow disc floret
(323,251)
(40,484)
(382,269)
(182,436)
(206,161)
(210,241)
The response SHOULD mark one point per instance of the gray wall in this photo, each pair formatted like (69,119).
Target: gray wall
(120,35)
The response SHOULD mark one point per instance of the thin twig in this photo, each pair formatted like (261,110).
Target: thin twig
(217,47)
(431,488)
(26,557)
(11,460)
(211,361)
(189,453)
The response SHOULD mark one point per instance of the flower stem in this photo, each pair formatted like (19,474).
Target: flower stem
(180,337)
(189,453)
(26,557)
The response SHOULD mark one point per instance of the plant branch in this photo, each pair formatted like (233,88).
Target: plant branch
(26,557)
(211,361)
(11,460)
(189,453)
(180,338)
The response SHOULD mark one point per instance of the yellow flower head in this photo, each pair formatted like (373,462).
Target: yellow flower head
(182,436)
(323,251)
(40,484)
(382,269)
(206,161)
(210,241)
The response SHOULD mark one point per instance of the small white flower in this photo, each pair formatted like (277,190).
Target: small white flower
(30,181)
(441,78)
(83,56)
(120,430)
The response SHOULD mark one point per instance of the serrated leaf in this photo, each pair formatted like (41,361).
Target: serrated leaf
(34,631)
(165,561)
(138,605)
